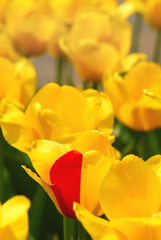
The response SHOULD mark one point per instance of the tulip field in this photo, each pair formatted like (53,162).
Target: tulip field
(80,153)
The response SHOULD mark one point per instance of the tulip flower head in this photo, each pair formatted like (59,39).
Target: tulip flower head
(150,10)
(72,174)
(65,12)
(58,114)
(29,25)
(18,82)
(97,49)
(14,219)
(130,196)
(4,4)
(132,107)
(7,49)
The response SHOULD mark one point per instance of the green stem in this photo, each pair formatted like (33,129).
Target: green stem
(157,47)
(128,149)
(148,144)
(69,74)
(36,211)
(85,85)
(70,228)
(136,33)
(81,232)
(59,71)
(95,85)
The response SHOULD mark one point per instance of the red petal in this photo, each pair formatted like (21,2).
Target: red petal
(65,175)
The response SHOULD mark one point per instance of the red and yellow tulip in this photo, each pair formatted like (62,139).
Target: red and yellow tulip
(72,173)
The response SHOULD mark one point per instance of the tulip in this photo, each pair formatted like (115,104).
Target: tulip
(14,219)
(66,10)
(98,49)
(65,13)
(72,173)
(18,82)
(150,10)
(4,4)
(7,49)
(29,25)
(132,107)
(130,196)
(58,114)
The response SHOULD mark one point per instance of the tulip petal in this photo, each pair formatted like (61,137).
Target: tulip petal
(155,163)
(43,155)
(94,167)
(15,127)
(98,228)
(6,233)
(65,175)
(130,189)
(139,228)
(93,140)
(44,185)
(14,214)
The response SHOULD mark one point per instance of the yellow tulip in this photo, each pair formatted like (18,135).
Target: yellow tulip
(53,48)
(18,82)
(58,114)
(29,25)
(132,107)
(4,4)
(14,219)
(130,197)
(66,10)
(96,44)
(72,173)
(7,49)
(151,11)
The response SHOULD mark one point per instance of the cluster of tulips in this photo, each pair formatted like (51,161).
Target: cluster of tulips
(94,148)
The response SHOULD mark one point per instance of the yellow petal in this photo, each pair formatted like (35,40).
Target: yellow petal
(94,167)
(14,214)
(6,233)
(139,228)
(45,185)
(137,187)
(101,115)
(43,155)
(155,163)
(93,140)
(15,127)
(98,228)
(131,60)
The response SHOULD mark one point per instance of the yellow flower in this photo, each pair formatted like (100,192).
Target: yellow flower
(151,11)
(7,49)
(58,114)
(29,25)
(66,10)
(130,196)
(72,173)
(18,82)
(14,219)
(4,4)
(53,48)
(132,107)
(94,38)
